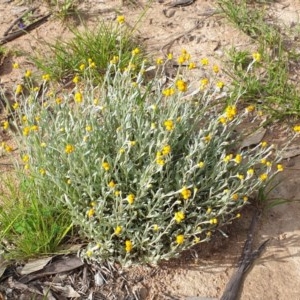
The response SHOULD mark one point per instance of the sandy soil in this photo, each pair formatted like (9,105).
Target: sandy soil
(205,270)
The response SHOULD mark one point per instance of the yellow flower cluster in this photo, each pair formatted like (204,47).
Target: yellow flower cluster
(220,84)
(159,61)
(228,158)
(120,19)
(184,57)
(170,56)
(130,198)
(191,66)
(201,164)
(78,98)
(263,144)
(46,77)
(280,168)
(169,125)
(28,74)
(88,128)
(111,184)
(203,83)
(168,92)
(250,172)
(185,193)
(207,138)
(238,158)
(82,67)
(58,100)
(296,128)
(128,246)
(240,176)
(19,89)
(263,177)
(42,171)
(160,161)
(179,216)
(180,239)
(25,158)
(69,148)
(230,112)
(91,212)
(216,69)
(181,85)
(235,197)
(106,166)
(114,60)
(92,64)
(155,227)
(166,150)
(250,108)
(118,230)
(204,61)
(160,154)
(5,125)
(26,130)
(6,147)
(76,79)
(213,221)
(135,51)
(256,56)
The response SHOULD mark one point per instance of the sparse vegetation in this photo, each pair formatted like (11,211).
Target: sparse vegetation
(268,83)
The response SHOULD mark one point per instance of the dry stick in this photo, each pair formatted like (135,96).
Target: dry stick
(170,43)
(180,3)
(18,19)
(248,256)
(19,33)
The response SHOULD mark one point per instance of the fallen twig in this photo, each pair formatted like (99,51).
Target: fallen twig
(248,256)
(176,3)
(19,19)
(196,26)
(21,32)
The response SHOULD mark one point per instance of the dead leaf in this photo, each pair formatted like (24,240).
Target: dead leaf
(3,264)
(200,298)
(169,12)
(71,248)
(47,293)
(290,152)
(21,286)
(254,138)
(65,291)
(98,278)
(63,264)
(35,265)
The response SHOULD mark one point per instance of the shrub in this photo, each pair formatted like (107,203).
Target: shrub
(146,171)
